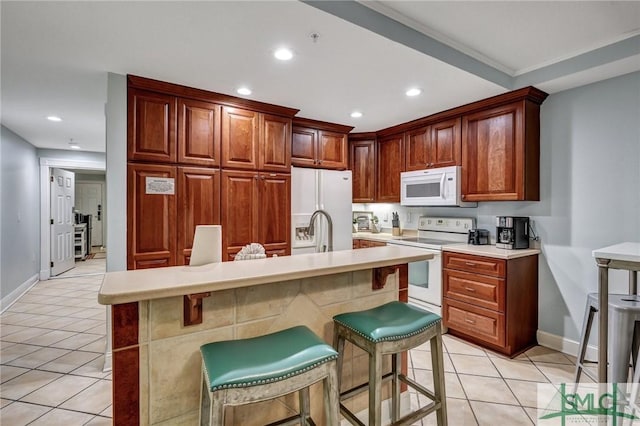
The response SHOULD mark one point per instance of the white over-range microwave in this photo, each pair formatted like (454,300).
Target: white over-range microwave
(432,187)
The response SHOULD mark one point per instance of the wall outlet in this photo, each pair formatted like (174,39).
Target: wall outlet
(385,217)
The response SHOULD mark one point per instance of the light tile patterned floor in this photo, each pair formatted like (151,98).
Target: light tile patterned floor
(53,338)
(52,344)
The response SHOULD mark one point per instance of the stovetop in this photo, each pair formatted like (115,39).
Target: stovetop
(421,242)
(428,241)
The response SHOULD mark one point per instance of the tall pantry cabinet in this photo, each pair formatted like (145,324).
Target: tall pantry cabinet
(184,145)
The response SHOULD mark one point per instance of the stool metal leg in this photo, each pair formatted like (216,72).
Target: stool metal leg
(582,349)
(437,359)
(396,368)
(375,387)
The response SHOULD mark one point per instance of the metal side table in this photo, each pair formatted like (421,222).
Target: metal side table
(619,256)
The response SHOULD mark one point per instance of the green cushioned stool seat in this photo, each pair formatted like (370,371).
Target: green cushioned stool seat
(264,359)
(391,321)
(391,329)
(244,371)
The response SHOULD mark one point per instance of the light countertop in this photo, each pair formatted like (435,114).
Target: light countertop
(490,251)
(145,284)
(629,252)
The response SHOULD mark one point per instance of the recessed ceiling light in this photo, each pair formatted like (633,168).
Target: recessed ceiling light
(413,91)
(356,114)
(283,54)
(244,91)
(54,118)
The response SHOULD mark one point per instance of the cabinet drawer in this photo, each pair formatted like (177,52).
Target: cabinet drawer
(479,290)
(475,264)
(479,323)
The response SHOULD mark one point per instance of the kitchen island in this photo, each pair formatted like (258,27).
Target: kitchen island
(162,316)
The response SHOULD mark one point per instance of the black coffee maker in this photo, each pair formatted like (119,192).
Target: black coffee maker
(512,232)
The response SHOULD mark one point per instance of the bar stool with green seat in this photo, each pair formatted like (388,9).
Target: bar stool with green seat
(237,372)
(392,328)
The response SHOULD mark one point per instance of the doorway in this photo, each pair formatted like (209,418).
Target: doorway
(46,252)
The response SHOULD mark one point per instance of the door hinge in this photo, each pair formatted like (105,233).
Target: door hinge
(51,178)
(52,221)
(52,264)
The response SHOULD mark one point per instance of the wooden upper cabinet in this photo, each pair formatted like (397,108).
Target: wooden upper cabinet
(390,163)
(332,150)
(198,133)
(275,146)
(445,144)
(319,144)
(151,217)
(417,149)
(198,204)
(303,147)
(240,138)
(501,153)
(437,145)
(362,162)
(274,230)
(151,126)
(239,199)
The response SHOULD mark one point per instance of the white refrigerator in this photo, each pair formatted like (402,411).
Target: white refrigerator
(314,189)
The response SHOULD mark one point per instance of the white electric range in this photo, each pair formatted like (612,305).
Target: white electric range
(425,277)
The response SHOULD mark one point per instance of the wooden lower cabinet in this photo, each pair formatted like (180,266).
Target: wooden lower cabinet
(359,243)
(491,302)
(151,217)
(161,227)
(256,208)
(198,193)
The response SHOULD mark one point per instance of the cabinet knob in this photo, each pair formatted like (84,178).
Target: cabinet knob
(319,161)
(470,290)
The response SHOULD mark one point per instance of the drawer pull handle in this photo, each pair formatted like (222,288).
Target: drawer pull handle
(470,321)
(472,290)
(470,264)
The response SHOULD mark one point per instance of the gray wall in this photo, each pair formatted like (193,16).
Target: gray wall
(20,255)
(117,172)
(590,195)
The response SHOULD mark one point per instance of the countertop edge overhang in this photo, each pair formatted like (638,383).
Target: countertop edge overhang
(147,284)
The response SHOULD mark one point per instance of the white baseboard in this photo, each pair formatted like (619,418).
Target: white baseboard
(564,345)
(45,274)
(10,298)
(107,362)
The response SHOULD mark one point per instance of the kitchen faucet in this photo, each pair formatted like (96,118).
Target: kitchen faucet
(329,221)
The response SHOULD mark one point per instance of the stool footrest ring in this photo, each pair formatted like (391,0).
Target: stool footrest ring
(357,390)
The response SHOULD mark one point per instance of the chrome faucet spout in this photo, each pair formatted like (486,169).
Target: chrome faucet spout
(330,224)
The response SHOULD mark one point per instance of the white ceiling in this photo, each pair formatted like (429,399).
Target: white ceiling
(56,56)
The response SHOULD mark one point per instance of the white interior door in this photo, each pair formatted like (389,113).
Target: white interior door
(89,201)
(62,198)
